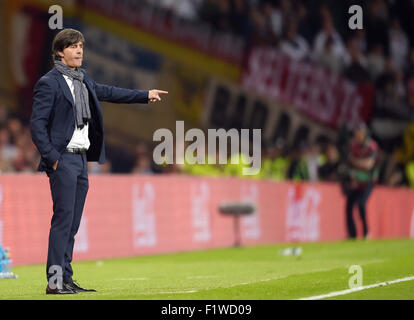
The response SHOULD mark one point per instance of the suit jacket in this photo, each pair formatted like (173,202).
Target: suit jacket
(52,121)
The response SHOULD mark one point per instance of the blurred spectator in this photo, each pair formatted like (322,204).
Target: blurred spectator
(4,113)
(298,169)
(328,59)
(224,16)
(409,79)
(360,40)
(15,128)
(235,165)
(187,9)
(404,154)
(391,94)
(261,33)
(313,160)
(275,164)
(96,168)
(410,173)
(239,18)
(355,70)
(362,176)
(375,62)
(293,44)
(397,177)
(217,13)
(304,21)
(398,45)
(209,11)
(143,162)
(276,15)
(8,152)
(376,26)
(27,156)
(329,170)
(328,33)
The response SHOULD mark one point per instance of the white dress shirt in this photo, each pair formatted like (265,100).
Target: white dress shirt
(80,136)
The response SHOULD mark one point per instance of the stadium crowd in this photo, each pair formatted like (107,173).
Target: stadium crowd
(382,53)
(319,161)
(316,31)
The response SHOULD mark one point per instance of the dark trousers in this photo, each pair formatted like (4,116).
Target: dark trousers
(359,197)
(69,185)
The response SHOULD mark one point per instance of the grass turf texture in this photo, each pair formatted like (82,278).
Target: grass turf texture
(253,273)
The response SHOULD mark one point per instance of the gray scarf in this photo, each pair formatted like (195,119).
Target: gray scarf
(83,113)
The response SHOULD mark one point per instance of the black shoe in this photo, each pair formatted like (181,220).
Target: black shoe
(75,287)
(64,290)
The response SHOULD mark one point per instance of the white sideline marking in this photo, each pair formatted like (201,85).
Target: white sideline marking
(348,291)
(226,287)
(234,284)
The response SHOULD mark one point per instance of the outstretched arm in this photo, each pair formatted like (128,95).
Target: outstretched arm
(121,95)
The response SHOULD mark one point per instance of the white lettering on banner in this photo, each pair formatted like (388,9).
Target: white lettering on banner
(276,72)
(326,100)
(310,90)
(411,229)
(302,216)
(321,98)
(290,87)
(250,224)
(143,216)
(200,199)
(322,95)
(304,78)
(82,239)
(346,102)
(261,78)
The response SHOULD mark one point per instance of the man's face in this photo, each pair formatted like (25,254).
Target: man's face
(72,56)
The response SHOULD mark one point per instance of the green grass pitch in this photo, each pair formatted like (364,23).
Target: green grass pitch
(253,273)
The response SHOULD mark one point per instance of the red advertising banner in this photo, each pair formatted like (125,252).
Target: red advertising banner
(324,96)
(129,215)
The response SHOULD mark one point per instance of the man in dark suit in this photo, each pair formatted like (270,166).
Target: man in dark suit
(67,128)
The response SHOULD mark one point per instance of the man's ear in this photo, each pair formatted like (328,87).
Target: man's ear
(60,53)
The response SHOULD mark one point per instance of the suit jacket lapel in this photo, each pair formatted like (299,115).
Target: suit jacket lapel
(92,91)
(63,84)
(89,86)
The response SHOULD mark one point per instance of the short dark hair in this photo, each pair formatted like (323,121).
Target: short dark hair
(64,39)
